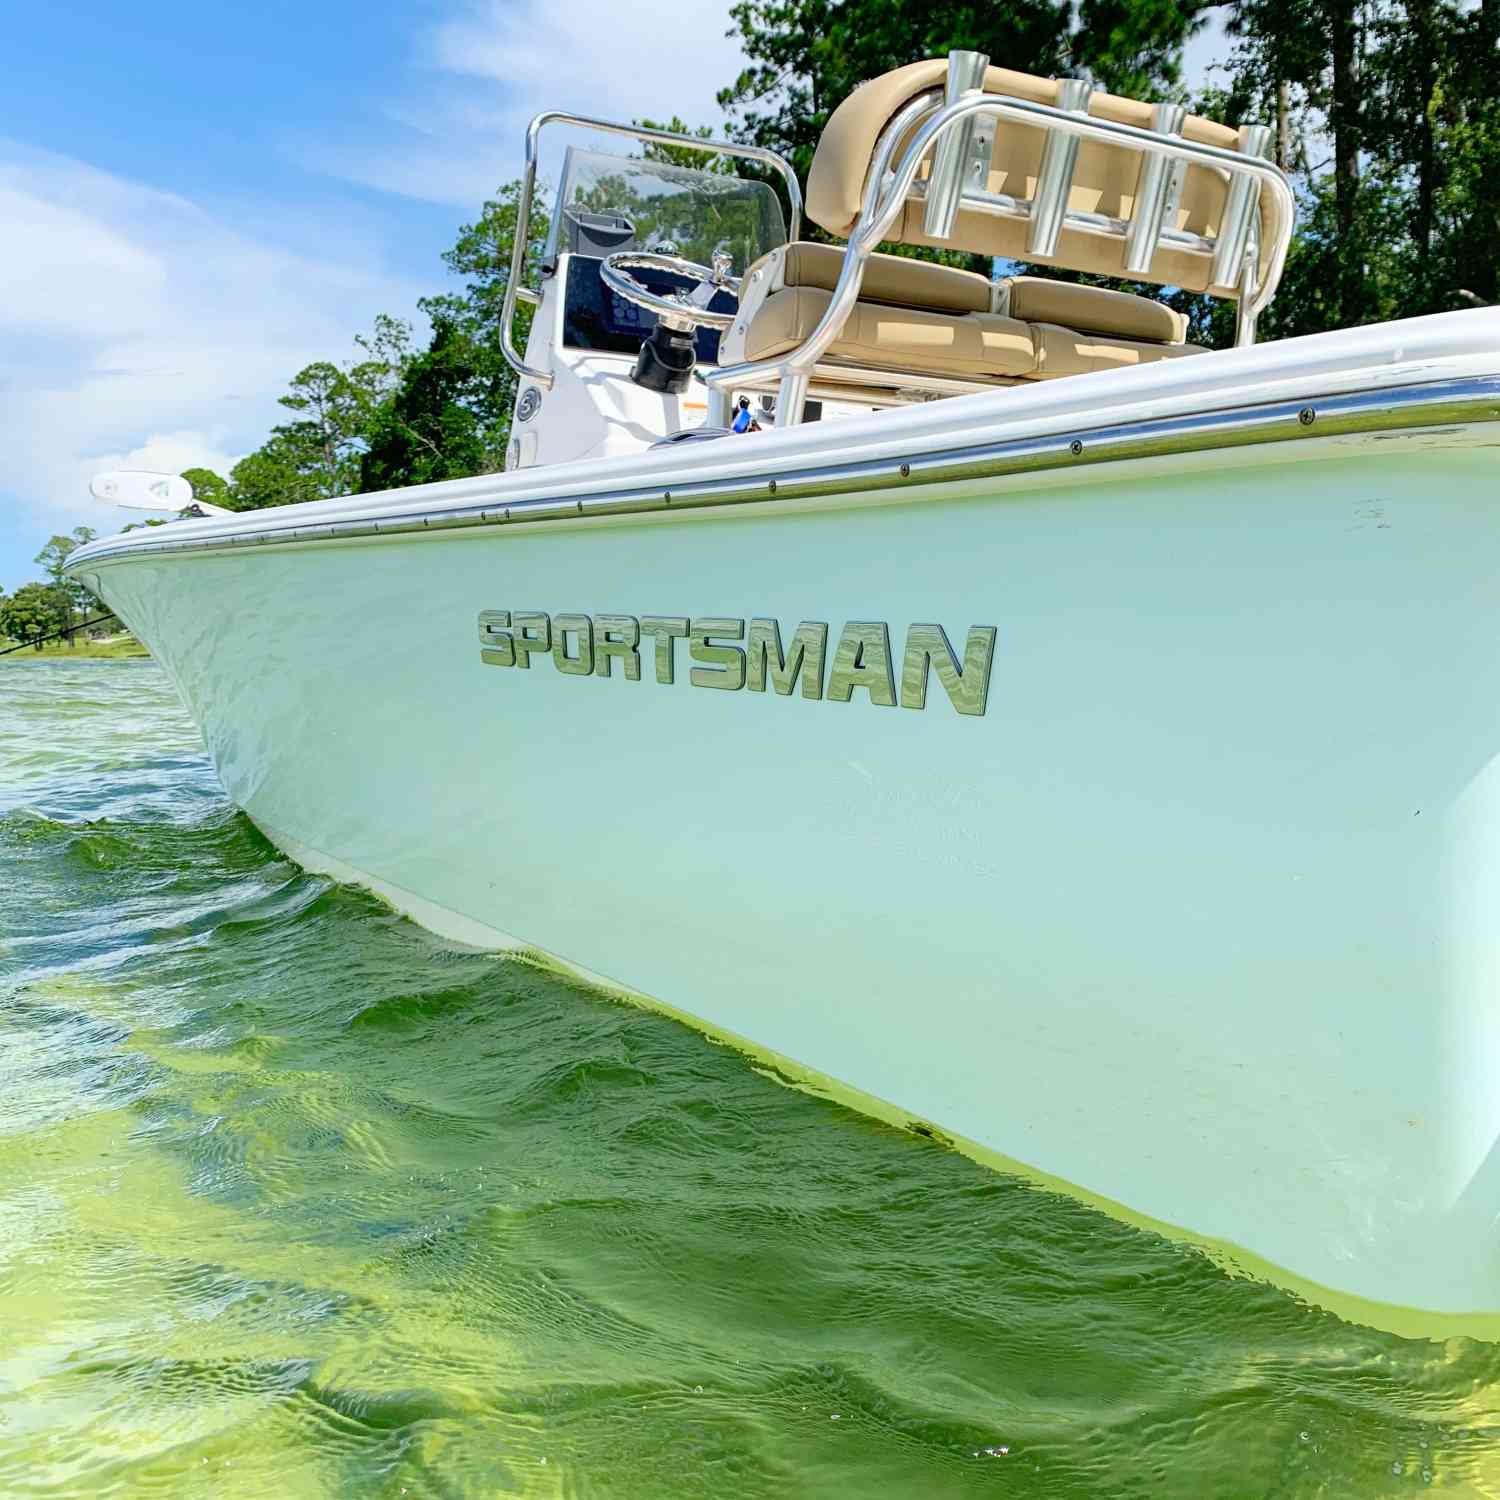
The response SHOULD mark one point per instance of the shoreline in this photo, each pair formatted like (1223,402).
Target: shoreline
(115,650)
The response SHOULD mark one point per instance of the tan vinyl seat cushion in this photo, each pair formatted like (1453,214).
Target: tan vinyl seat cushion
(973,346)
(1090,309)
(888,278)
(918,317)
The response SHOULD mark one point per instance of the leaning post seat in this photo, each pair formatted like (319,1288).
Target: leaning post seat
(934,321)
(956,154)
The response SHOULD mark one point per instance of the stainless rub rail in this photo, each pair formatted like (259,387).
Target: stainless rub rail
(1431,404)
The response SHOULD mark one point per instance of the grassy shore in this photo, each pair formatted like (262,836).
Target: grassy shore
(120,648)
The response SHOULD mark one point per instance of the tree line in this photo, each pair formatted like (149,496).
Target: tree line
(1383,113)
(53,606)
(398,414)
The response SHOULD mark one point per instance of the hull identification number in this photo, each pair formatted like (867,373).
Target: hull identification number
(725,654)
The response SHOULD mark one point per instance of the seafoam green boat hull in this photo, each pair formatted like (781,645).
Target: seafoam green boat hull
(1198,916)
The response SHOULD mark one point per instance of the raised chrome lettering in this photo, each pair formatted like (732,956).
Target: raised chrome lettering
(666,629)
(724,665)
(804,658)
(532,631)
(617,635)
(863,659)
(968,687)
(563,626)
(496,648)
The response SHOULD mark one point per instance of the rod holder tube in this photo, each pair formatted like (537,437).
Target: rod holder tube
(1244,310)
(1156,193)
(1054,178)
(1240,204)
(791,399)
(951,158)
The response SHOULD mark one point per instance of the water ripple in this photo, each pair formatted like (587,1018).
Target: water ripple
(296,1199)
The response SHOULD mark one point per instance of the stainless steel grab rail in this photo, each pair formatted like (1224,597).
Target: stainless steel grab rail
(514,291)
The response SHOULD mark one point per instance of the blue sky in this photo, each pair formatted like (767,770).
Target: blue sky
(195,201)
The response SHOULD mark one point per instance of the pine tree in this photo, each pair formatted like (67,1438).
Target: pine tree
(429,429)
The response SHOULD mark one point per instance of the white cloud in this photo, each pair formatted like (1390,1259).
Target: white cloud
(63,269)
(651,57)
(160,452)
(137,328)
(172,452)
(492,64)
(134,325)
(501,61)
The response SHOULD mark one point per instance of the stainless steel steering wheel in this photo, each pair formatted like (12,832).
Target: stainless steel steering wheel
(679,310)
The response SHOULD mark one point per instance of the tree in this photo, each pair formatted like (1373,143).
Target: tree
(318,455)
(807,56)
(1134,47)
(1402,216)
(210,487)
(71,595)
(449,413)
(1466,195)
(277,473)
(33,612)
(387,352)
(1316,48)
(327,437)
(394,416)
(1332,280)
(430,428)
(685,156)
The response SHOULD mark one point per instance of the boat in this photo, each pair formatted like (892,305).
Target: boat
(960,692)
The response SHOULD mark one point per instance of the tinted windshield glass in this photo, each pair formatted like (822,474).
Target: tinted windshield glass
(698,212)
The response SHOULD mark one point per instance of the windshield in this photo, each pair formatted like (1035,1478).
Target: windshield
(696,211)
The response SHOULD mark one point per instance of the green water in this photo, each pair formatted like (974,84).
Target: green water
(297,1200)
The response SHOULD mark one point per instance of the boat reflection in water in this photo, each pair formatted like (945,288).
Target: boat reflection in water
(1132,705)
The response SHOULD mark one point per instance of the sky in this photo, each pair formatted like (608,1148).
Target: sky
(196,201)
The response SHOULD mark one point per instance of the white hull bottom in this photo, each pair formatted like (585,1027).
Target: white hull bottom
(1199,918)
(1412,1322)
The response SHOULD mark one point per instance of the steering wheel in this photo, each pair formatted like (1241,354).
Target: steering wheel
(683,311)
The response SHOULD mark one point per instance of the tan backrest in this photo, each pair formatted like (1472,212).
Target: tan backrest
(1104,180)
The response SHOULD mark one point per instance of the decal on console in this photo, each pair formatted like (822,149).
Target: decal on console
(591,645)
